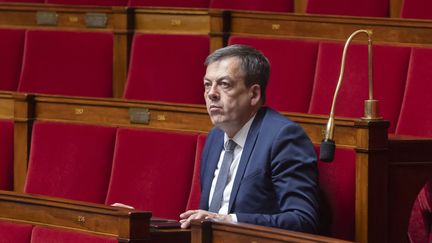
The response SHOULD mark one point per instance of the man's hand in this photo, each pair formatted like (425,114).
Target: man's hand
(187,216)
(121,205)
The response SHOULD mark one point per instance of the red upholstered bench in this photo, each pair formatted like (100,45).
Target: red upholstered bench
(67,63)
(293,68)
(195,192)
(168,68)
(70,161)
(337,182)
(152,170)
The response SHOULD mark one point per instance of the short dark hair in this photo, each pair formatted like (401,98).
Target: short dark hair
(253,63)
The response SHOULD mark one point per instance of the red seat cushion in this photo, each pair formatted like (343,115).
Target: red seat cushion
(415,115)
(170,3)
(390,69)
(337,183)
(372,8)
(12,232)
(11,49)
(6,155)
(68,63)
(254,5)
(70,161)
(168,68)
(54,235)
(292,70)
(152,170)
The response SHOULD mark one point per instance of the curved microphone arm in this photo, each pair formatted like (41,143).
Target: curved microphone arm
(327,147)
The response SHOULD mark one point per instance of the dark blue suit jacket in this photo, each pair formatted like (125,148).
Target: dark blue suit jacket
(277,179)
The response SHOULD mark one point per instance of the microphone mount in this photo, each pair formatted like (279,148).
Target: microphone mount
(371,109)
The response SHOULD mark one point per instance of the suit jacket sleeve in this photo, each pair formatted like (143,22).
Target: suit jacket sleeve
(294,178)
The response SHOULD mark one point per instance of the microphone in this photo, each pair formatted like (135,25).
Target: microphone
(371,110)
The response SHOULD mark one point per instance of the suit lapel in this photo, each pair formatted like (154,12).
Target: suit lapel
(211,161)
(247,151)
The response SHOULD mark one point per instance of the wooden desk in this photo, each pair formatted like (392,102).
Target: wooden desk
(216,232)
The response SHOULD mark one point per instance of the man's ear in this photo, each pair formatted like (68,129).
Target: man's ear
(255,94)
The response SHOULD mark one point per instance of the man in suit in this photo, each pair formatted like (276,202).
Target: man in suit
(271,177)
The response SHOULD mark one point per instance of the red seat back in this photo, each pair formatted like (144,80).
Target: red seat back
(11,49)
(168,68)
(12,232)
(292,70)
(390,68)
(337,183)
(170,3)
(254,5)
(54,235)
(372,8)
(195,193)
(152,170)
(418,9)
(420,223)
(70,161)
(416,112)
(89,2)
(6,154)
(68,63)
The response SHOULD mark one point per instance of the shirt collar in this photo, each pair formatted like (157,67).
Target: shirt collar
(240,137)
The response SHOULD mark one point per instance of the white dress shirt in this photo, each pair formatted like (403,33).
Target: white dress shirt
(240,139)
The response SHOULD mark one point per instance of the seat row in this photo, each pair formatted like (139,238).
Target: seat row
(169,68)
(383,8)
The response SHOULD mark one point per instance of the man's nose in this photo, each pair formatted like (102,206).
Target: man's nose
(213,92)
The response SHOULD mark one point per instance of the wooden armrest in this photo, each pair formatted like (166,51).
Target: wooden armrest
(96,218)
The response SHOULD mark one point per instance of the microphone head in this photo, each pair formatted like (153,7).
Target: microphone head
(327,150)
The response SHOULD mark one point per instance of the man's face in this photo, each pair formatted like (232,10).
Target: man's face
(230,103)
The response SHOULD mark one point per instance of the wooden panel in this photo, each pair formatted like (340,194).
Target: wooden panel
(6,106)
(331,27)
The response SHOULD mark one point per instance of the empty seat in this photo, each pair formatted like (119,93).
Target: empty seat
(337,183)
(254,5)
(168,68)
(11,49)
(90,2)
(390,69)
(54,235)
(170,3)
(12,232)
(6,155)
(70,161)
(68,63)
(371,8)
(152,170)
(416,112)
(418,9)
(195,192)
(292,70)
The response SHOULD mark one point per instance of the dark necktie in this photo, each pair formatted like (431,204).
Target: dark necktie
(216,201)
